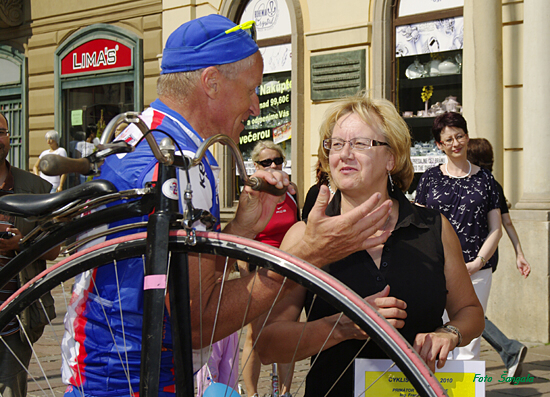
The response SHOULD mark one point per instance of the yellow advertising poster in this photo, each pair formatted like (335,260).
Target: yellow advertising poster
(458,378)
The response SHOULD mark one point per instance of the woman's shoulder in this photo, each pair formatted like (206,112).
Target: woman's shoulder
(426,214)
(433,172)
(487,176)
(61,152)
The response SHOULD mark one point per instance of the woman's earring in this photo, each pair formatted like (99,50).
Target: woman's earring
(391,180)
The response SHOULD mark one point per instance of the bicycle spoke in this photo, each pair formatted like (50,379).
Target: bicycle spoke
(22,365)
(122,325)
(300,339)
(377,379)
(243,325)
(107,322)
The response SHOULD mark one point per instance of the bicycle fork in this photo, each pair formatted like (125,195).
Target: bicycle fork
(155,283)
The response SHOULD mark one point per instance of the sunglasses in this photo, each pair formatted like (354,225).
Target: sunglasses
(267,162)
(249,27)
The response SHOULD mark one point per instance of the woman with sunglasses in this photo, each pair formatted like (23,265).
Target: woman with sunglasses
(468,196)
(266,155)
(365,147)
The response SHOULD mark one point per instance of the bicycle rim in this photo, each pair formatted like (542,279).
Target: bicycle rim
(315,280)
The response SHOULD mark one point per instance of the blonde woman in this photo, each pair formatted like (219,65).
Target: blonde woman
(365,147)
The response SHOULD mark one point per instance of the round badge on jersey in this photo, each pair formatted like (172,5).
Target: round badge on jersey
(170,189)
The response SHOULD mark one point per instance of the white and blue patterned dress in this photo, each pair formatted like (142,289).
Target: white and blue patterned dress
(466,202)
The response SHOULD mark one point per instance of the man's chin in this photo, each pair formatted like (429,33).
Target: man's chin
(237,133)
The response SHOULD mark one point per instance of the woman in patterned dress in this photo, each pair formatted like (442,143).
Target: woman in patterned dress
(467,195)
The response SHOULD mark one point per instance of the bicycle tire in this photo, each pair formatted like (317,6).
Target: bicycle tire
(317,281)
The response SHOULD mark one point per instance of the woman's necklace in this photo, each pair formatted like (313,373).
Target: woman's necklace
(330,189)
(458,177)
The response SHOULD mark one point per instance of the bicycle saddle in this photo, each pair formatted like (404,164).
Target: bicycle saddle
(27,205)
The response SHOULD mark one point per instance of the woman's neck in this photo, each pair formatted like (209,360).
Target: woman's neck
(350,202)
(458,166)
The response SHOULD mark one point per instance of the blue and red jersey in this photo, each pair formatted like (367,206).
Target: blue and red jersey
(98,358)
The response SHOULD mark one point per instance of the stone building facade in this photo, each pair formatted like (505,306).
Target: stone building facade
(502,90)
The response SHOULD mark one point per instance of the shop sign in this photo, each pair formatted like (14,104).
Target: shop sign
(274,121)
(97,55)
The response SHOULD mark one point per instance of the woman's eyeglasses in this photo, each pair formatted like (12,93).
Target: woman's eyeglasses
(267,162)
(249,27)
(338,144)
(460,138)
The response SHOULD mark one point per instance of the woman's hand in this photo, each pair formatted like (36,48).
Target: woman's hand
(391,308)
(435,346)
(523,266)
(474,266)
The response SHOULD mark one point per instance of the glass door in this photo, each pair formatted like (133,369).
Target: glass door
(86,112)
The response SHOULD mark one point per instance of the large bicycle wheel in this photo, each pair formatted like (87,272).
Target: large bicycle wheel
(296,270)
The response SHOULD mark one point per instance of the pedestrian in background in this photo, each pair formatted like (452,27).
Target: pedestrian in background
(13,376)
(512,352)
(266,155)
(468,196)
(52,139)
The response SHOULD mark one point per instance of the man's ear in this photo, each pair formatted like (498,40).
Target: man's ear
(210,81)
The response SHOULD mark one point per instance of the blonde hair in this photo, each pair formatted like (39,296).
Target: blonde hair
(383,117)
(262,145)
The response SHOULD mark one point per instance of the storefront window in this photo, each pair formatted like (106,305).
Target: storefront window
(87,111)
(100,76)
(428,72)
(12,96)
(274,122)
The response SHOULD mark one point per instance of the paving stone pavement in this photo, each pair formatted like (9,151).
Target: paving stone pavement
(536,364)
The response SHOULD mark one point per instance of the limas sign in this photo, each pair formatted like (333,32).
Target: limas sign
(97,55)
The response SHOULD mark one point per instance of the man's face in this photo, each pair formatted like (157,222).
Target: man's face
(4,139)
(239,100)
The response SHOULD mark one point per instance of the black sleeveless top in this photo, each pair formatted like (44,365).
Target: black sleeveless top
(412,264)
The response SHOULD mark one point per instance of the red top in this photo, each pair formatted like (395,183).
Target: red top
(285,215)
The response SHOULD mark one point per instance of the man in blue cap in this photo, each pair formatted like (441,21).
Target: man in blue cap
(211,69)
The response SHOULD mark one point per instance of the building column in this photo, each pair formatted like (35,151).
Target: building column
(482,88)
(511,305)
(536,113)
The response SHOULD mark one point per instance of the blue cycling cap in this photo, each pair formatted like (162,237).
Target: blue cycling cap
(200,43)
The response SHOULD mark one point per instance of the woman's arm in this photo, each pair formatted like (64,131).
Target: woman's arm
(278,341)
(61,182)
(490,244)
(522,264)
(463,307)
(285,339)
(36,168)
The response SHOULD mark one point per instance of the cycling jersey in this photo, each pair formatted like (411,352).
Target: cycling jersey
(94,360)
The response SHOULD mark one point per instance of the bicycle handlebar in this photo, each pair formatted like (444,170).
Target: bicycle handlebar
(57,165)
(52,164)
